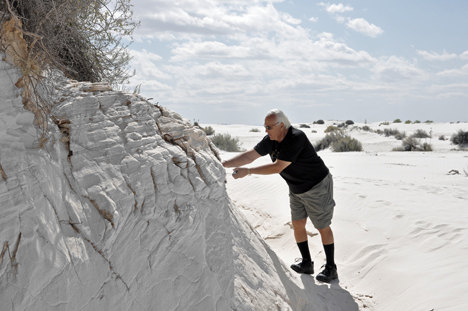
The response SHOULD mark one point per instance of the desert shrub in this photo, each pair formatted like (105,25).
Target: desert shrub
(408,122)
(416,121)
(390,132)
(366,128)
(419,133)
(441,137)
(304,126)
(346,144)
(460,138)
(327,141)
(82,38)
(331,128)
(410,144)
(319,122)
(226,142)
(349,122)
(196,124)
(379,131)
(384,123)
(397,121)
(426,147)
(255,130)
(400,135)
(339,142)
(427,121)
(413,144)
(314,131)
(208,130)
(341,125)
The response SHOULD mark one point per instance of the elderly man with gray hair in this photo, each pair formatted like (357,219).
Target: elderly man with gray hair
(310,186)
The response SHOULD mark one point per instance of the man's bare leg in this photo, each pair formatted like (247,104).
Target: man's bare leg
(300,234)
(327,235)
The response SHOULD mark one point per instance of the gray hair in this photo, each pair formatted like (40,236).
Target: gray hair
(280,117)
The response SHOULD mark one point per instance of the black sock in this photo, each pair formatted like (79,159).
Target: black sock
(330,253)
(304,248)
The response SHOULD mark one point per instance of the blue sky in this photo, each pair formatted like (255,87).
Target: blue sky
(228,62)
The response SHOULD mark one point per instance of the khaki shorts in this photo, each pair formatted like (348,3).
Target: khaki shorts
(317,204)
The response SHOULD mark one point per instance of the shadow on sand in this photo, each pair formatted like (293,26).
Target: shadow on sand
(315,296)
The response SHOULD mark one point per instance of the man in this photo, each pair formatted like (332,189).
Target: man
(310,185)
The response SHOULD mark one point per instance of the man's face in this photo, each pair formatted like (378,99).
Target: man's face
(273,128)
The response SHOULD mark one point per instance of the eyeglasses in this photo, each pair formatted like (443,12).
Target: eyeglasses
(269,127)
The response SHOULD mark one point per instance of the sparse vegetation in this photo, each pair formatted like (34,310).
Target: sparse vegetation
(82,38)
(304,126)
(384,123)
(441,137)
(400,135)
(349,122)
(331,128)
(413,144)
(419,133)
(254,130)
(397,121)
(460,138)
(319,122)
(346,144)
(226,142)
(408,122)
(339,142)
(366,128)
(390,132)
(208,130)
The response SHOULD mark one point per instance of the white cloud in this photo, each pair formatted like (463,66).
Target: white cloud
(433,56)
(395,69)
(209,17)
(464,55)
(338,54)
(336,8)
(210,50)
(143,62)
(363,26)
(454,72)
(226,53)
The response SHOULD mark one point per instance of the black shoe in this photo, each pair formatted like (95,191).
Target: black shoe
(301,266)
(328,274)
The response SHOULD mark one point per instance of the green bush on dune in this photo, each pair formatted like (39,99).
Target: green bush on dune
(419,133)
(226,142)
(413,144)
(460,138)
(208,130)
(339,142)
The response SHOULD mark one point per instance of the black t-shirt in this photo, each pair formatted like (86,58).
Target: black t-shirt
(306,169)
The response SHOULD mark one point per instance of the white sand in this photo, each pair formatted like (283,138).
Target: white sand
(400,222)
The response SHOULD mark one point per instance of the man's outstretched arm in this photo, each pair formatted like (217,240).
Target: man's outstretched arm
(242,159)
(272,168)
